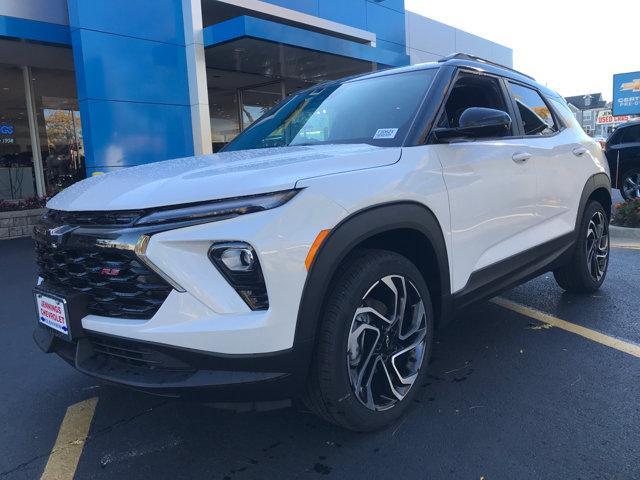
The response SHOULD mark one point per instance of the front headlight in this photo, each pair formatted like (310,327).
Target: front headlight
(217,209)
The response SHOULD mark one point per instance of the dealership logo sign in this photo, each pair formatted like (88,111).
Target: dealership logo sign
(632,86)
(626,93)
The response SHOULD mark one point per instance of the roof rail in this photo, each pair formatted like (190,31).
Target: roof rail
(473,58)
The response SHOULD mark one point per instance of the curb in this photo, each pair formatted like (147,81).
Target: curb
(624,237)
(626,233)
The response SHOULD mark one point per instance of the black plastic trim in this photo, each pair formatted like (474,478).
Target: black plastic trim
(595,182)
(498,277)
(203,375)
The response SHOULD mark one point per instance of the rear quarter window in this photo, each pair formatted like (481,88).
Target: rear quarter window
(537,118)
(566,115)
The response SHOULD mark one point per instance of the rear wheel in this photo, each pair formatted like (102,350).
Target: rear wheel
(588,267)
(630,184)
(374,342)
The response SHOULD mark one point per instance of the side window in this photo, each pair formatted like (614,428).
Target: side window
(615,138)
(535,113)
(631,134)
(471,90)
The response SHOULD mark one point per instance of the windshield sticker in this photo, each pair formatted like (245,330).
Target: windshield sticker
(385,134)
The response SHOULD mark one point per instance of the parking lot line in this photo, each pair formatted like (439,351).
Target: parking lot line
(629,246)
(630,348)
(63,459)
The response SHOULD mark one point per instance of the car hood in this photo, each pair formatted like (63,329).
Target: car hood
(221,175)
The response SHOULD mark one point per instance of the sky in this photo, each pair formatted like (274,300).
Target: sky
(572,47)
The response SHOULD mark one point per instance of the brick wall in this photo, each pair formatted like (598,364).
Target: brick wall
(18,223)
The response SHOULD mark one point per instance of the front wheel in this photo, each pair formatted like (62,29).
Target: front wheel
(588,267)
(374,342)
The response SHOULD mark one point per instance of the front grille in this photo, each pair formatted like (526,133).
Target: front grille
(93,219)
(116,282)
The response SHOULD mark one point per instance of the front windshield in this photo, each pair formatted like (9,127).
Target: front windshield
(378,111)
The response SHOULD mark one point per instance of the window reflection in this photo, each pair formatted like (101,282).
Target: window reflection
(17,179)
(59,127)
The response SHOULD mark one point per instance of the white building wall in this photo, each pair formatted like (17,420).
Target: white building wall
(52,11)
(429,40)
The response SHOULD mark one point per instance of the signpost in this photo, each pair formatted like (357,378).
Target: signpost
(626,93)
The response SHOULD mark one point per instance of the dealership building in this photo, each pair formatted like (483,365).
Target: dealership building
(89,86)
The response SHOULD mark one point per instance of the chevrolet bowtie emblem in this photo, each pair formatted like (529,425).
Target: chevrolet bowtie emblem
(633,86)
(56,236)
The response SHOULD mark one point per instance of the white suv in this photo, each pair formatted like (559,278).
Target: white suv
(316,255)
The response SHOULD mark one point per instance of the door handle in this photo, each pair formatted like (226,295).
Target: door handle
(521,157)
(579,151)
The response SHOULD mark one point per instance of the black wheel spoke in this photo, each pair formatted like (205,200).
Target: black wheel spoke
(597,245)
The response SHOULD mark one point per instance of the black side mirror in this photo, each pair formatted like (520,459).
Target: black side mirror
(477,122)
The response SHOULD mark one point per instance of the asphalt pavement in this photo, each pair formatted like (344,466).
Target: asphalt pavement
(507,397)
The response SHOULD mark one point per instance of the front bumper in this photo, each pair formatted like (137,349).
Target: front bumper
(210,344)
(180,372)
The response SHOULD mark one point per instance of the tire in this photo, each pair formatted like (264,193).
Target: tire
(581,274)
(630,184)
(345,356)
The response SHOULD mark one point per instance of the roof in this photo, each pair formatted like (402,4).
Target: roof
(457,60)
(482,65)
(579,101)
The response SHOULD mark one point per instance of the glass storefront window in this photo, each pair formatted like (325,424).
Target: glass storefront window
(17,179)
(257,100)
(223,110)
(59,128)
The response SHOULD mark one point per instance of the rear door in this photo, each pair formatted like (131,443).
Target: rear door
(563,155)
(491,183)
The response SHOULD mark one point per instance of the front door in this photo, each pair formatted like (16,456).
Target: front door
(492,184)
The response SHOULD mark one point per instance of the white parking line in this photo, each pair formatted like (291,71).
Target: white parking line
(64,458)
(630,348)
(629,246)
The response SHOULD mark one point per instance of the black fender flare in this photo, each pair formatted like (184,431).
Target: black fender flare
(595,182)
(349,233)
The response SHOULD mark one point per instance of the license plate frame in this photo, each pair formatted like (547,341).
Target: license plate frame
(52,314)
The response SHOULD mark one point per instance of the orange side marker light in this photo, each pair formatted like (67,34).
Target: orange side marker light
(314,248)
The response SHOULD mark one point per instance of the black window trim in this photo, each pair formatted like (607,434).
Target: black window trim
(508,101)
(557,119)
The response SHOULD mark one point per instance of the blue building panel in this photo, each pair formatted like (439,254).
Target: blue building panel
(127,69)
(392,47)
(132,81)
(26,29)
(352,12)
(305,6)
(267,30)
(385,18)
(124,134)
(387,24)
(159,20)
(397,5)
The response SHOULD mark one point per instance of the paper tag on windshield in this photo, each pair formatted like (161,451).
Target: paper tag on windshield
(385,134)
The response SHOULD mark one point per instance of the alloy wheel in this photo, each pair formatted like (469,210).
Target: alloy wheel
(597,246)
(631,186)
(387,343)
